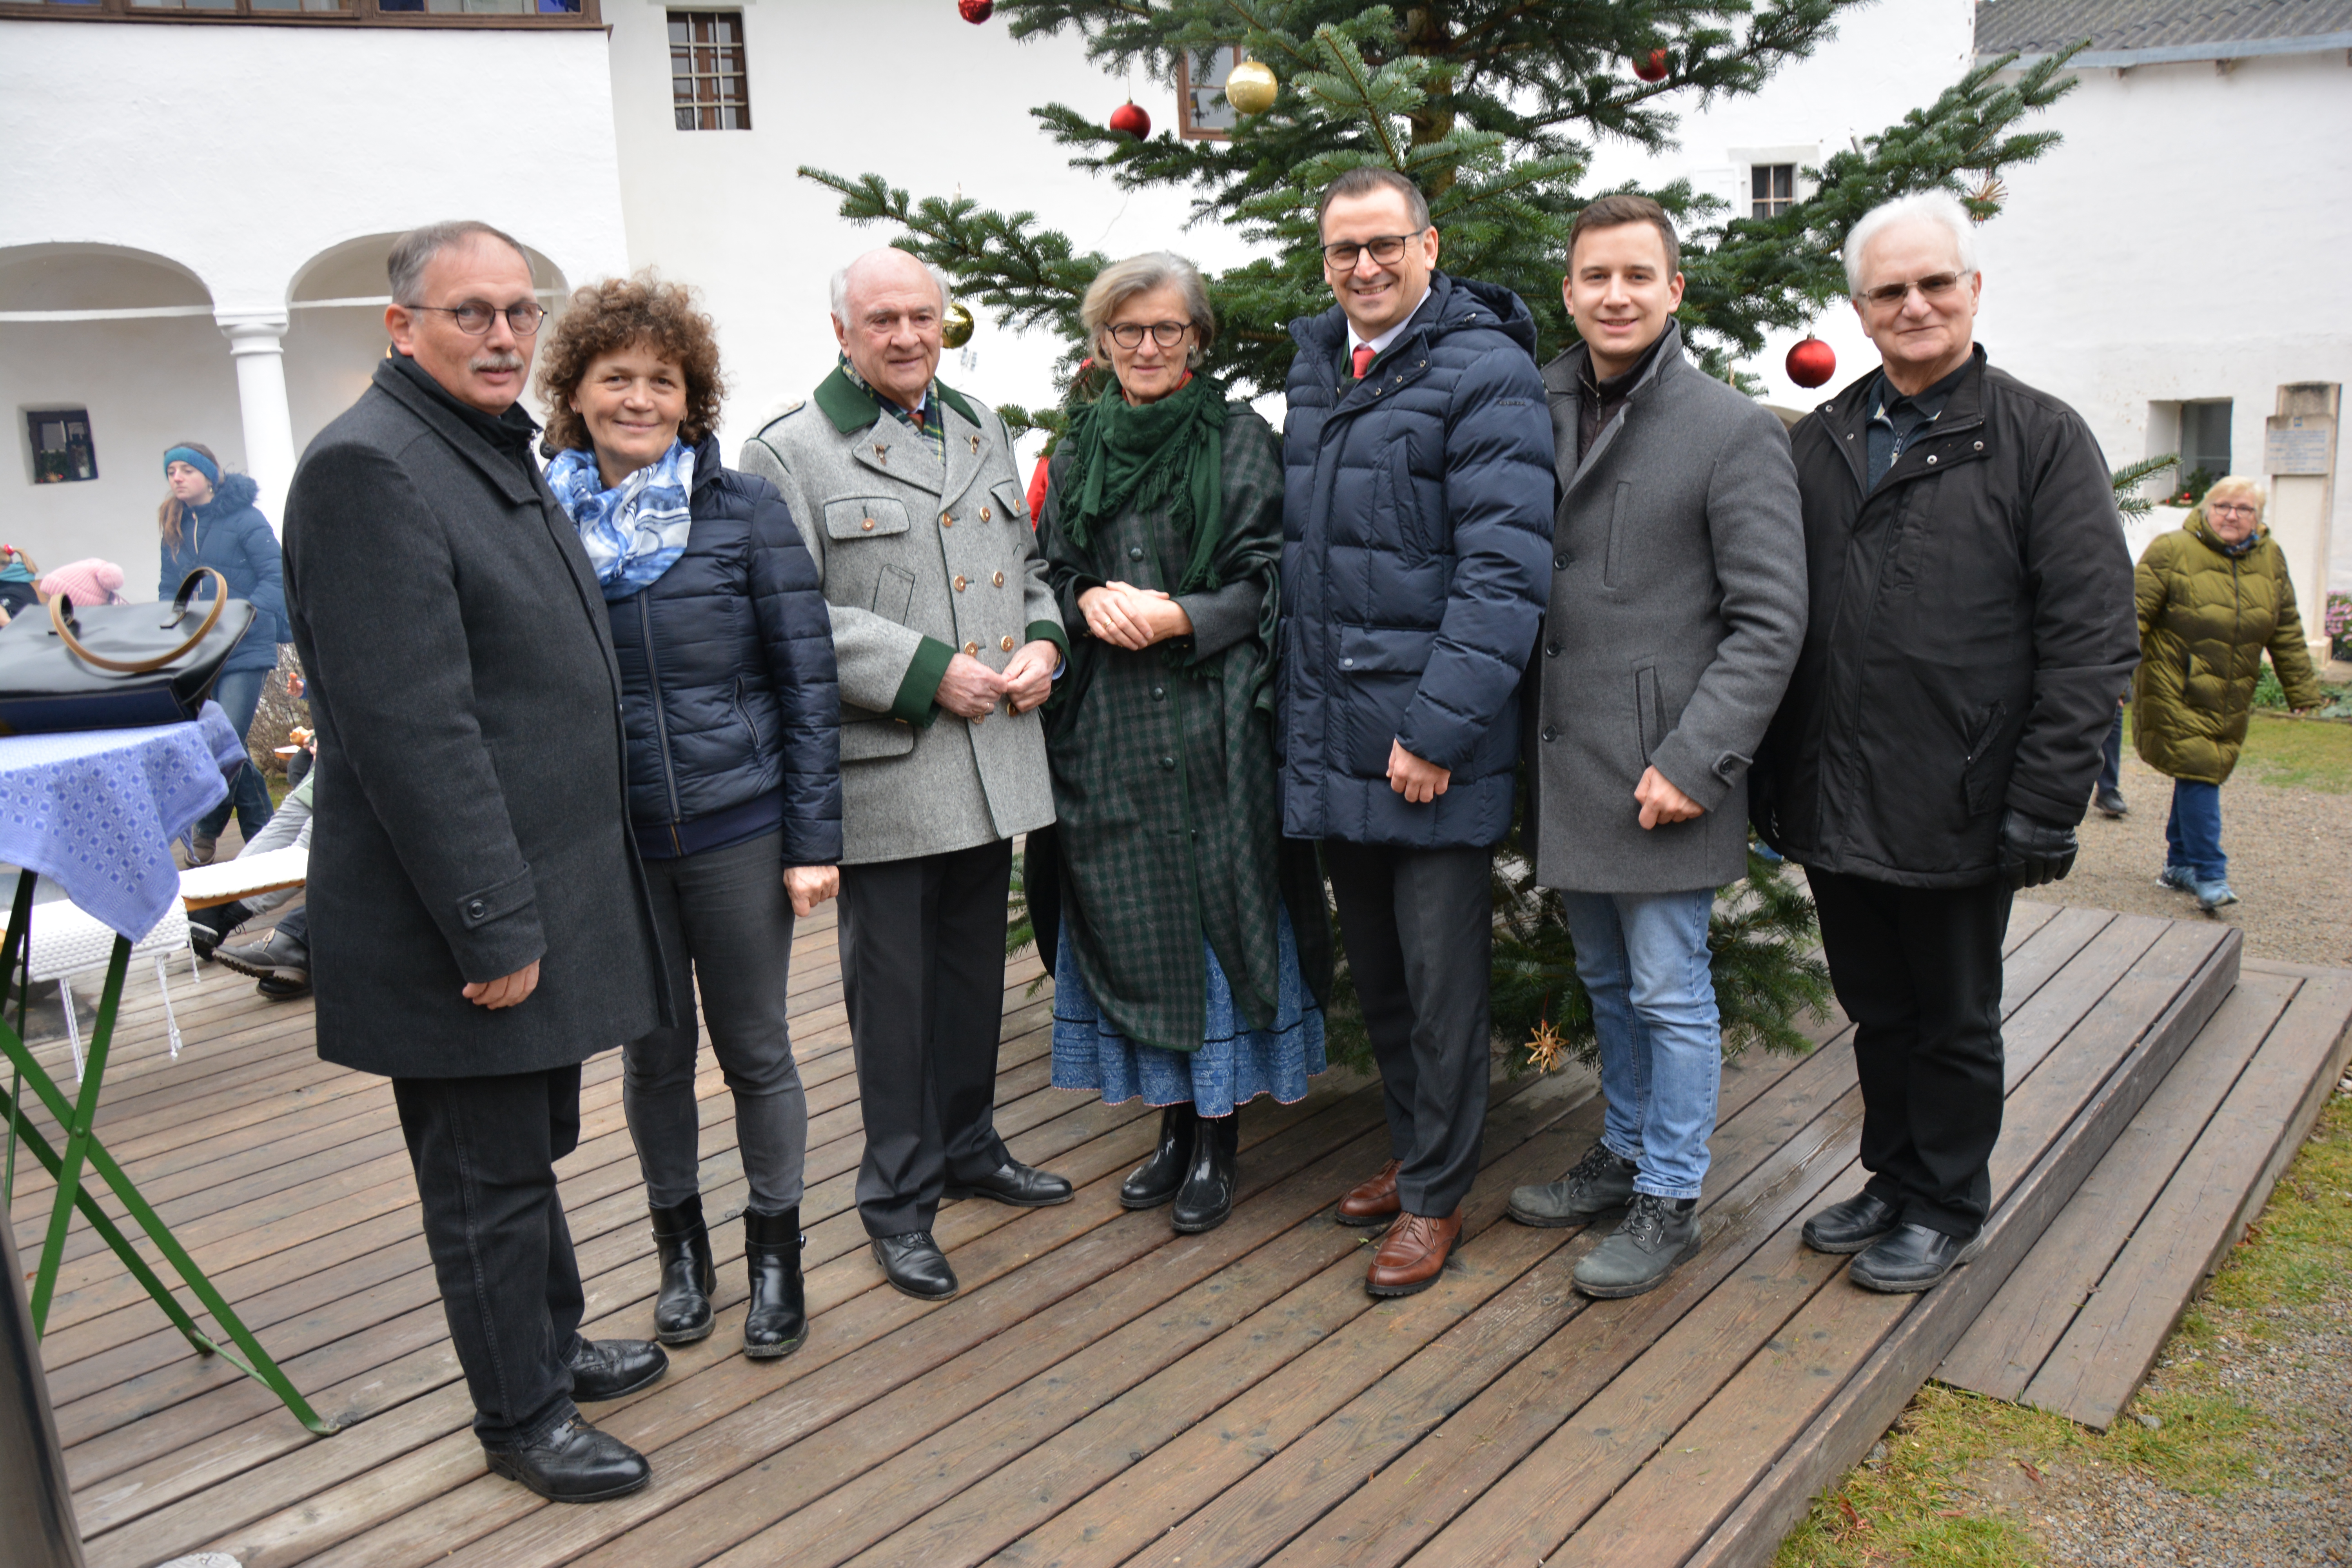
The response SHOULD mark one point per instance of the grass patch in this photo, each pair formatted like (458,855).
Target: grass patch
(1940,1494)
(2292,754)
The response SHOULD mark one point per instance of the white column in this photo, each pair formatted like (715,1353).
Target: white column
(256,343)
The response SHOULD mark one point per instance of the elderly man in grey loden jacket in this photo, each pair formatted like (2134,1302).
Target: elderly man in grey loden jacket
(947,641)
(1677,608)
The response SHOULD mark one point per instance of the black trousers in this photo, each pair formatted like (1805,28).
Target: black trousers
(922,974)
(1918,971)
(1419,925)
(483,1149)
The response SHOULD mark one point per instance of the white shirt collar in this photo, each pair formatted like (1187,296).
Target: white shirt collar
(1379,344)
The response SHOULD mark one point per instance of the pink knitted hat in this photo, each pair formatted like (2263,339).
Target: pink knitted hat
(90,582)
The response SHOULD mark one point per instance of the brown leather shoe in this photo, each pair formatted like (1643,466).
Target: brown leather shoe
(1370,1202)
(1412,1254)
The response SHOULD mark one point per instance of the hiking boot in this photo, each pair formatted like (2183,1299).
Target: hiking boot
(1657,1235)
(1595,1184)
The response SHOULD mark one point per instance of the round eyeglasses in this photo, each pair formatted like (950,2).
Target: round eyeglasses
(474,316)
(1167,334)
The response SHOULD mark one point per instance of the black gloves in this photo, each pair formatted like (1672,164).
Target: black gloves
(2033,851)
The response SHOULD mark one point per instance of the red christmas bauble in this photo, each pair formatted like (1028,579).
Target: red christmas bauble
(1129,117)
(976,11)
(1654,68)
(1812,363)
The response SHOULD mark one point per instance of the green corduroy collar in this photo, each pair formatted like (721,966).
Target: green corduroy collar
(851,408)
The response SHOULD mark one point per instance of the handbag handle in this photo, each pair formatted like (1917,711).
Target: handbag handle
(62,606)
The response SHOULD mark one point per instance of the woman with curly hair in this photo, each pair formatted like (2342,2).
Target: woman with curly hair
(732,722)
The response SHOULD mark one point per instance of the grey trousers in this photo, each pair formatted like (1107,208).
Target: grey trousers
(1419,925)
(726,927)
(922,972)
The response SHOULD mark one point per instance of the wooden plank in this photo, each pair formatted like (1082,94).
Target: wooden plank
(2225,1179)
(1796,1459)
(2010,1339)
(1073,1501)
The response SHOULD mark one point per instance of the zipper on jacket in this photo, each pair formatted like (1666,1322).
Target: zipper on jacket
(661,719)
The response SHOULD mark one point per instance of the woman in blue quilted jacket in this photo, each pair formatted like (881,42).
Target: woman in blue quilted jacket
(733,719)
(208,518)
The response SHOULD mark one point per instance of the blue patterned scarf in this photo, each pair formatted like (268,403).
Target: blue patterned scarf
(636,532)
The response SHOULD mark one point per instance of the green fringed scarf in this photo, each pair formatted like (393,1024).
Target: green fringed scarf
(1120,452)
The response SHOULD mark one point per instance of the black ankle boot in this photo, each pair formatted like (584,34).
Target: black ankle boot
(777,1320)
(1155,1180)
(207,929)
(682,1310)
(1208,1194)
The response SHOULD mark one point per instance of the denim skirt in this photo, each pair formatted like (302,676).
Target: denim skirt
(1235,1063)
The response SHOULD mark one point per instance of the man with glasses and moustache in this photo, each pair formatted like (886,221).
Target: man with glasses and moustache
(479,923)
(1972,622)
(1415,564)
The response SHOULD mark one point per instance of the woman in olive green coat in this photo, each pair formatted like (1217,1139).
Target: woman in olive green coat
(2214,596)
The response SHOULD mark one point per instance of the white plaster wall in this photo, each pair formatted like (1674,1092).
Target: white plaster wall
(902,88)
(146,383)
(242,153)
(2188,240)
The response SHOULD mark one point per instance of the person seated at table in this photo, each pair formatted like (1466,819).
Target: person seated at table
(207,929)
(18,582)
(733,724)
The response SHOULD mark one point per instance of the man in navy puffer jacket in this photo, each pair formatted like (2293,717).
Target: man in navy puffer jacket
(1416,562)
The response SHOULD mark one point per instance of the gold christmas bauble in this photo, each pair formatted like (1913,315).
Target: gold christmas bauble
(955,329)
(1251,87)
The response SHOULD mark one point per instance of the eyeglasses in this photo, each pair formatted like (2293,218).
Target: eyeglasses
(2232,508)
(474,316)
(1167,334)
(1933,287)
(1387,249)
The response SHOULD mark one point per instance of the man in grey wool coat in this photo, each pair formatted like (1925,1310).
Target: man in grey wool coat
(947,641)
(1677,609)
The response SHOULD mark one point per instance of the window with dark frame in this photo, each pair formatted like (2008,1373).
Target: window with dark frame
(710,85)
(61,448)
(1771,189)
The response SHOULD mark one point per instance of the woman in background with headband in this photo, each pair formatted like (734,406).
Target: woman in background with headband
(208,518)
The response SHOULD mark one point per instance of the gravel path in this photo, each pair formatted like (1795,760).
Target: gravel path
(2296,1511)
(2290,864)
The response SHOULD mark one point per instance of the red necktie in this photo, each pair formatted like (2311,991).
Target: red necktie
(1363,359)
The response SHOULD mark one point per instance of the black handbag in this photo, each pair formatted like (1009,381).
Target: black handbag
(117,667)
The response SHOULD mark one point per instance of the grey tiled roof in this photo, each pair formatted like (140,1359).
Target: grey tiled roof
(2041,26)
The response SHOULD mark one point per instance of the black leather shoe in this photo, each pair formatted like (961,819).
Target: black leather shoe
(1853,1225)
(573,1462)
(682,1312)
(1155,1180)
(777,1320)
(1208,1194)
(1022,1187)
(278,988)
(1913,1258)
(606,1369)
(207,929)
(914,1264)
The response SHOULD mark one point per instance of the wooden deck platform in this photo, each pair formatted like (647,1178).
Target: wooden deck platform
(1102,1390)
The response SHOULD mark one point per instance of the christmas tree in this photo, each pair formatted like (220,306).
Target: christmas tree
(1493,108)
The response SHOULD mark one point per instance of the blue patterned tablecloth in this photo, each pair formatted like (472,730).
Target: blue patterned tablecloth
(97,810)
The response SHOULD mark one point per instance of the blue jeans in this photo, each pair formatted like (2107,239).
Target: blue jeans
(2192,835)
(1643,961)
(238,692)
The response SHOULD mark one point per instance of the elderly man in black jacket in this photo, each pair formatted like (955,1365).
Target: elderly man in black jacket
(1971,623)
(479,924)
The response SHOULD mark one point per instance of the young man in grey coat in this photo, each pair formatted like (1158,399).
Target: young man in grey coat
(1677,609)
(947,641)
(478,923)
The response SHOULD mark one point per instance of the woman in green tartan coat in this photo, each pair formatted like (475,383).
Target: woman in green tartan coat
(1194,956)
